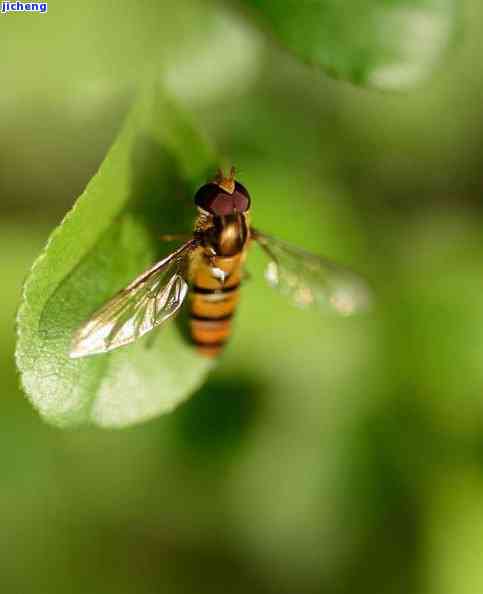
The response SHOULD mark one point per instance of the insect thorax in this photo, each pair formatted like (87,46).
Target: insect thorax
(224,236)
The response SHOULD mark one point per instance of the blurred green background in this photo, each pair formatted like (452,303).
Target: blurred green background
(322,455)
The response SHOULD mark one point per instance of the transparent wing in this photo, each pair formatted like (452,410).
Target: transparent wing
(310,280)
(151,299)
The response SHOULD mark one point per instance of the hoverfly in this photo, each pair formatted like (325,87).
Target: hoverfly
(209,268)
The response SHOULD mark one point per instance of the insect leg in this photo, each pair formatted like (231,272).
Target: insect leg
(175,237)
(245,275)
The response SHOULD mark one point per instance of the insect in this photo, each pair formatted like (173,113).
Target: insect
(208,269)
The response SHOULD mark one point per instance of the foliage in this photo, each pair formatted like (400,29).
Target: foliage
(145,184)
(142,188)
(384,44)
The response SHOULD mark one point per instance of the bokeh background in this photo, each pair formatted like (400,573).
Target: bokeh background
(322,455)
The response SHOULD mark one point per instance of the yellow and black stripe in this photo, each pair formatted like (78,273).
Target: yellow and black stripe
(213,304)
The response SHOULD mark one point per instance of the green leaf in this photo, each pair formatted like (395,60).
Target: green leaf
(144,188)
(388,44)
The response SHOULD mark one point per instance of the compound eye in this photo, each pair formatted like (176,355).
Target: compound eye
(241,198)
(206,196)
(216,201)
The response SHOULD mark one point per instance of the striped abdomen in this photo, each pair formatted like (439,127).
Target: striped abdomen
(213,304)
